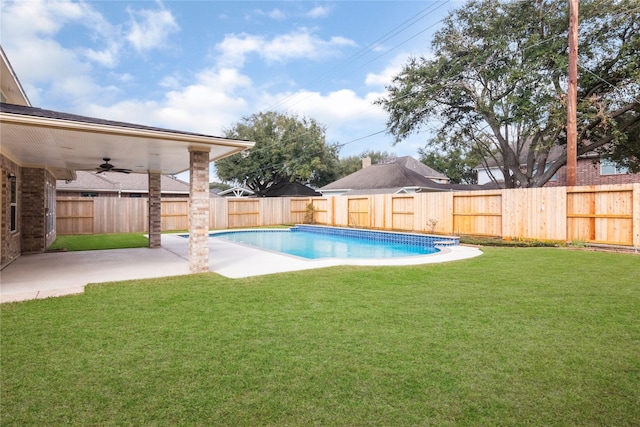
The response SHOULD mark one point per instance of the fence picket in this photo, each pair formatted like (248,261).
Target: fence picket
(599,214)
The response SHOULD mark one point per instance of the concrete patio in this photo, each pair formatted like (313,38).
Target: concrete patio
(55,274)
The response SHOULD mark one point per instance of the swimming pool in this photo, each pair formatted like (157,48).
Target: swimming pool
(317,242)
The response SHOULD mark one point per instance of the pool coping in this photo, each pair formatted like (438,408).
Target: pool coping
(237,260)
(63,273)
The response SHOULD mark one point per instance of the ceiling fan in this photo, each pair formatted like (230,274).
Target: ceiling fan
(108,167)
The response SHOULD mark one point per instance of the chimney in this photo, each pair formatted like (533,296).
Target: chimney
(366,162)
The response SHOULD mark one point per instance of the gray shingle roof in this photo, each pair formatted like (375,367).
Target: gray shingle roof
(389,178)
(283,189)
(113,181)
(50,114)
(393,175)
(410,163)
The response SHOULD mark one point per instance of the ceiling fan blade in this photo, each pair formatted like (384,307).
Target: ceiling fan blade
(108,167)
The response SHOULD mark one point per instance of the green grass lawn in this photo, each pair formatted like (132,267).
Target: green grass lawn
(89,242)
(518,336)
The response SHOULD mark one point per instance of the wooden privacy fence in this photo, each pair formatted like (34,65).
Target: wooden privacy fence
(596,214)
(101,215)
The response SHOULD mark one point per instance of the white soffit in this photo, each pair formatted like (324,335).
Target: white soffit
(64,146)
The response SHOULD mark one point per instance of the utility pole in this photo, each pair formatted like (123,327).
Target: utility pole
(572,95)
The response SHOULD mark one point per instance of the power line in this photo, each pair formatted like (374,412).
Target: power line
(362,52)
(378,42)
(339,70)
(404,96)
(363,137)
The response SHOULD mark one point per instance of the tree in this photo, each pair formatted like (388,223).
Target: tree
(456,165)
(498,81)
(288,148)
(351,164)
(220,186)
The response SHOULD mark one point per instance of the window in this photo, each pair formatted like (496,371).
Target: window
(86,194)
(50,210)
(14,203)
(607,167)
(546,168)
(554,177)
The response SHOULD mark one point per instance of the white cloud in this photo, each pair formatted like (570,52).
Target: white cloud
(170,82)
(234,48)
(123,77)
(29,31)
(338,106)
(26,18)
(107,57)
(150,29)
(208,101)
(301,44)
(318,12)
(393,68)
(277,14)
(25,21)
(210,104)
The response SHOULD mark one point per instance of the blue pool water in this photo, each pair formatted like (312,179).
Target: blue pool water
(314,244)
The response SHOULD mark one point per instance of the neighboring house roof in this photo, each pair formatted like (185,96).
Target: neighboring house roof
(403,175)
(390,177)
(283,189)
(410,163)
(115,182)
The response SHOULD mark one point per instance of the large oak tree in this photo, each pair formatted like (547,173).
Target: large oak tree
(497,82)
(288,148)
(351,164)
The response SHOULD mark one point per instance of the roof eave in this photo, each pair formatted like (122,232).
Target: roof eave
(203,140)
(14,78)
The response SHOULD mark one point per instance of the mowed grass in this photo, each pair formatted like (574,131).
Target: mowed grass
(100,241)
(528,336)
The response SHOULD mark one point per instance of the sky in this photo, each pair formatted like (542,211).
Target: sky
(201,66)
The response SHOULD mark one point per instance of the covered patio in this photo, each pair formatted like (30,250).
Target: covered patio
(41,146)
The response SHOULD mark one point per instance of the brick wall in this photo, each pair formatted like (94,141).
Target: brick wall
(588,173)
(199,212)
(10,243)
(33,210)
(155,211)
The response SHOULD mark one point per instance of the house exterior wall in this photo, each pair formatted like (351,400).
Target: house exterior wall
(62,193)
(484,177)
(38,206)
(588,173)
(10,245)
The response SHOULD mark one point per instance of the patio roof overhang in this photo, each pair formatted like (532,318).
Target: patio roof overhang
(32,137)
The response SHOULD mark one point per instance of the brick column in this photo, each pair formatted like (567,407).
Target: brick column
(33,210)
(199,211)
(155,211)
